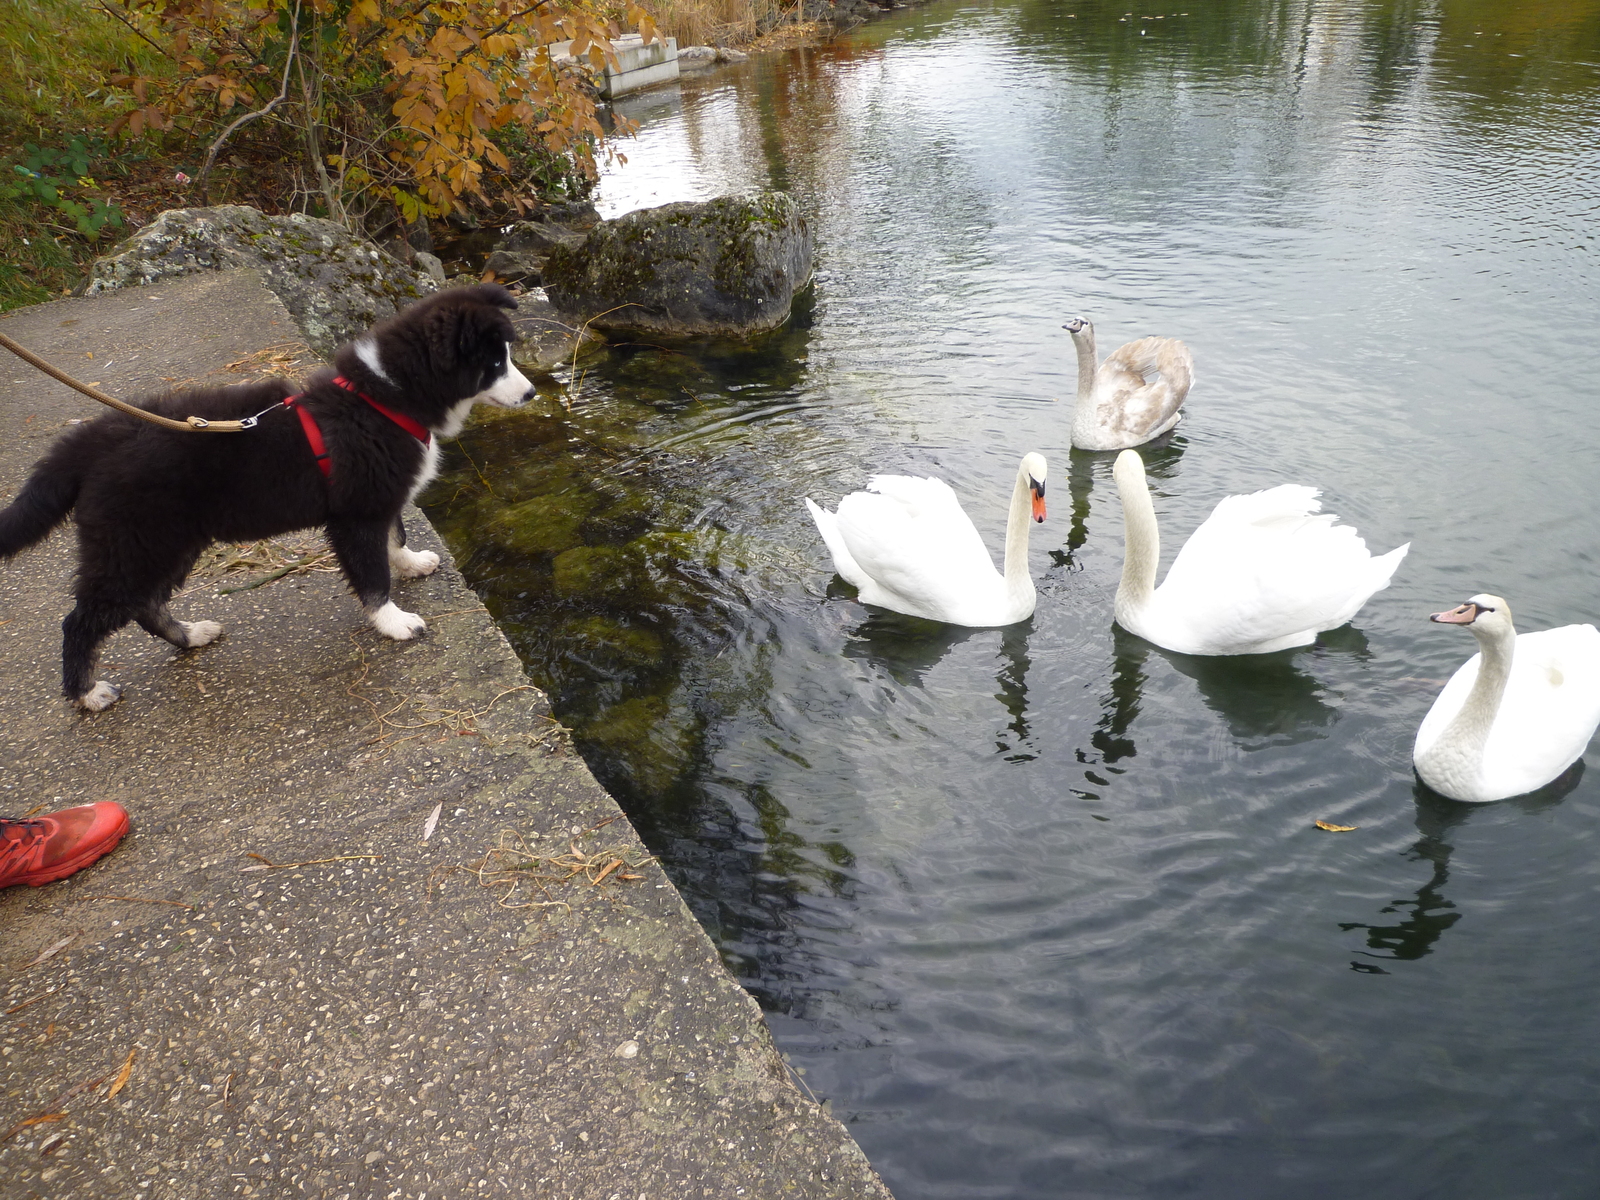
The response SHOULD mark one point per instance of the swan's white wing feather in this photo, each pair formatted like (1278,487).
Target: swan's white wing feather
(1549,710)
(916,548)
(921,496)
(932,505)
(1268,569)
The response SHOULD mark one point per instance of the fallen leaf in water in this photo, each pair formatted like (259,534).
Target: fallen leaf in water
(121,1081)
(1332,828)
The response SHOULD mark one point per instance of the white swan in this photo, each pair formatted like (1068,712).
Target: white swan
(1133,396)
(1262,573)
(907,544)
(1515,715)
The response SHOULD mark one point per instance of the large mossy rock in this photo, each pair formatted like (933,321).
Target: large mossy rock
(727,266)
(334,283)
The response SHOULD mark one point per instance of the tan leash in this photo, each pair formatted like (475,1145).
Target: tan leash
(190,425)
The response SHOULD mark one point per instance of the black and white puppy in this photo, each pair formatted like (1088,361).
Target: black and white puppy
(347,454)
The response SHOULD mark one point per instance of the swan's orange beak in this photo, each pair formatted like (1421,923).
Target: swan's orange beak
(1038,500)
(1466,614)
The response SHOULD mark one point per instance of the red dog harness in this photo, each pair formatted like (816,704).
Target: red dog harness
(313,432)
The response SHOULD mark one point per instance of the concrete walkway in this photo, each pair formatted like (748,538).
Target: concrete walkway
(369,1017)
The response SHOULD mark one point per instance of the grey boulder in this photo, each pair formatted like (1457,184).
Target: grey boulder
(520,255)
(729,266)
(335,284)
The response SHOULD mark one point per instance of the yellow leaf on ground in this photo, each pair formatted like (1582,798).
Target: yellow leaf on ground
(121,1081)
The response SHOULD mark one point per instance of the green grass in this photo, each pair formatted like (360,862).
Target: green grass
(56,59)
(33,267)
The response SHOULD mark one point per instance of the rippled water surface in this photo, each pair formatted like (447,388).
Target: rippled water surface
(1042,910)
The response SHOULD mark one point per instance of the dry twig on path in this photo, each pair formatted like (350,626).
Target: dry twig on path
(460,722)
(518,870)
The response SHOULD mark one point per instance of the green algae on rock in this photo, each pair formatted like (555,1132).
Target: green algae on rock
(727,266)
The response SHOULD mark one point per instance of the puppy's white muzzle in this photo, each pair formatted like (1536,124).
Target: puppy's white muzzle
(511,390)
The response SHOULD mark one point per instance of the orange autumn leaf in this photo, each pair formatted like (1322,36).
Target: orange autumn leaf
(121,1080)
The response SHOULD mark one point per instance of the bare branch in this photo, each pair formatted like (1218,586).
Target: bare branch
(216,146)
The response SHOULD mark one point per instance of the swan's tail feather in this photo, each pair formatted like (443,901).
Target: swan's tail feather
(828,526)
(1384,566)
(1373,576)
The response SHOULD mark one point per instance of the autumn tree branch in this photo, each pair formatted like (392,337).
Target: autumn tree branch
(216,147)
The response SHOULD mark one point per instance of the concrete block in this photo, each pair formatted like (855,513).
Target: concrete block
(638,65)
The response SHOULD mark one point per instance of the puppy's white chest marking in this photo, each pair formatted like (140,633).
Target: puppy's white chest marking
(429,469)
(456,416)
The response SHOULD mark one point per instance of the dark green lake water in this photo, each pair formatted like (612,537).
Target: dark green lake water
(1042,911)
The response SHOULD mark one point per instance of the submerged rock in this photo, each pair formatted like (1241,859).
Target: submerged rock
(545,342)
(335,284)
(727,266)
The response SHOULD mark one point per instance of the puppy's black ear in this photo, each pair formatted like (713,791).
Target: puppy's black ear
(493,293)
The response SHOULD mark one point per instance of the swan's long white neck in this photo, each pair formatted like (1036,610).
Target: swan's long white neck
(1143,537)
(1083,412)
(1466,736)
(1019,583)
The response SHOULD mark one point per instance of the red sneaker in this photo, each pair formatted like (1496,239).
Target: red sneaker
(52,846)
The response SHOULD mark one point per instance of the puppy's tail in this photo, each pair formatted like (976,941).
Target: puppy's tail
(43,503)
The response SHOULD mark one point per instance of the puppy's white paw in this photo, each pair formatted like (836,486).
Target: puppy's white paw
(100,697)
(200,633)
(394,622)
(412,565)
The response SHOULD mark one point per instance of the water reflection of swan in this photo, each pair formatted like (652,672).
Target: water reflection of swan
(906,647)
(907,545)
(1262,573)
(1110,737)
(1266,699)
(909,647)
(1135,395)
(1515,715)
(1161,458)
(1427,914)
